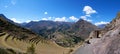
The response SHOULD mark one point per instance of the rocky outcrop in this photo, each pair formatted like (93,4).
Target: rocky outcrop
(114,24)
(95,34)
(104,41)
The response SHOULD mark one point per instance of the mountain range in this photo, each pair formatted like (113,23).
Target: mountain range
(62,36)
(63,33)
(14,39)
(57,35)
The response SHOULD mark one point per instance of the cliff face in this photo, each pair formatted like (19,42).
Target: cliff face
(107,44)
(104,41)
(109,41)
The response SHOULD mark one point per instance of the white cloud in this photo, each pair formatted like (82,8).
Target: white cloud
(60,19)
(13,2)
(28,21)
(73,18)
(88,10)
(31,20)
(44,19)
(89,20)
(88,15)
(14,19)
(48,18)
(36,20)
(85,18)
(102,22)
(45,12)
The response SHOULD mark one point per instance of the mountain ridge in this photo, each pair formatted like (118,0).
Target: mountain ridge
(18,39)
(16,31)
(59,31)
(103,41)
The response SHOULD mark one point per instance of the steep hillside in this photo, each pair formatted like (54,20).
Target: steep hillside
(15,39)
(63,33)
(83,28)
(46,28)
(16,31)
(105,41)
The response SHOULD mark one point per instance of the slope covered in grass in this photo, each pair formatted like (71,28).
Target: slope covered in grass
(40,48)
(19,39)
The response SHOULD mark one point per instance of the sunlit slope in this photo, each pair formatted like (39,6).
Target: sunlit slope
(19,39)
(21,46)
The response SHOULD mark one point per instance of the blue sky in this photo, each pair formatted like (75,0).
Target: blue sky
(94,11)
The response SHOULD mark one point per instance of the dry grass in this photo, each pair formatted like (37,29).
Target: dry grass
(40,48)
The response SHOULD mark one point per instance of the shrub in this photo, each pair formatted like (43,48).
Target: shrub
(31,49)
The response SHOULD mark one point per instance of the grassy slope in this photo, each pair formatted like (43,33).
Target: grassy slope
(26,35)
(40,48)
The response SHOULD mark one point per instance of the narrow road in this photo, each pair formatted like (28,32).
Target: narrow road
(85,49)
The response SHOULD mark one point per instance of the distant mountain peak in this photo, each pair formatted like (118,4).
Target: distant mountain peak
(85,23)
(81,20)
(83,28)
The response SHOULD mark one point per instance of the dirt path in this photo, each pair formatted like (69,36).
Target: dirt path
(86,49)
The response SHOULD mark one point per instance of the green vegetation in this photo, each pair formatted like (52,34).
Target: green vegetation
(71,50)
(3,51)
(64,35)
(9,51)
(18,32)
(31,49)
(69,41)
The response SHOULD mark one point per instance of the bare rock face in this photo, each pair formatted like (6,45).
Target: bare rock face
(105,41)
(104,45)
(95,34)
(109,43)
